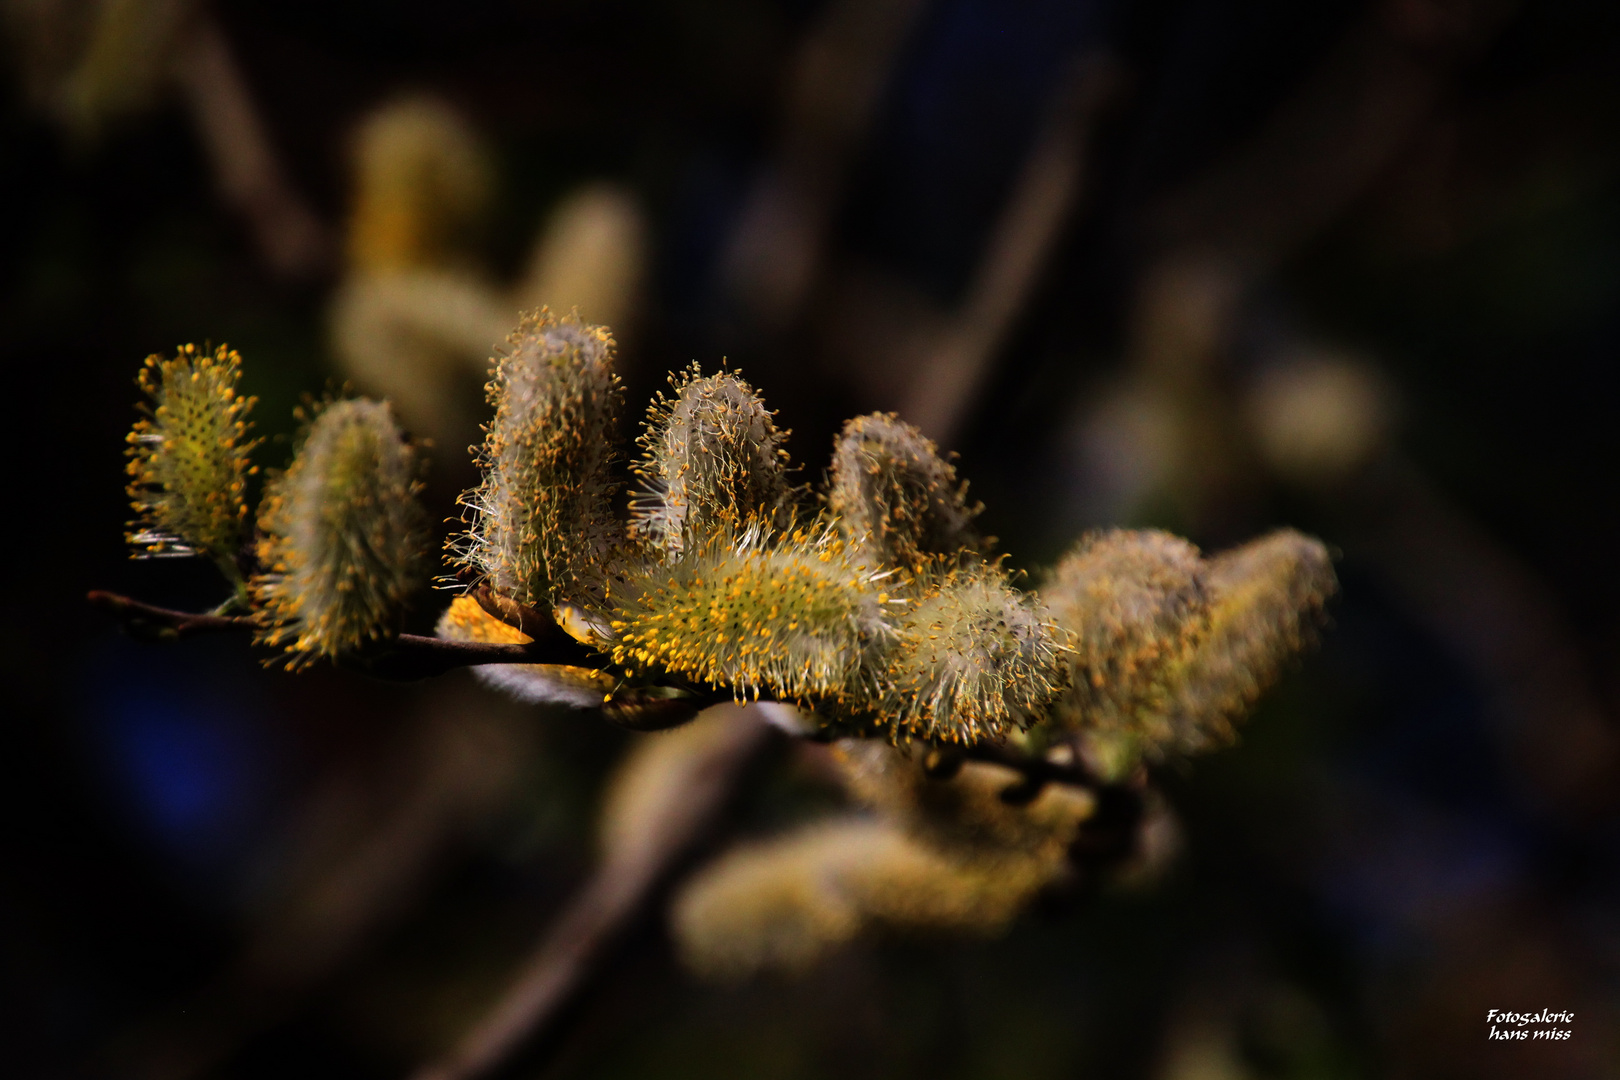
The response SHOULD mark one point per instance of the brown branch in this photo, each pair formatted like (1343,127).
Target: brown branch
(413,656)
(164,624)
(406,657)
(617,897)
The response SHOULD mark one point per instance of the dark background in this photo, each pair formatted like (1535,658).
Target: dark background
(213,867)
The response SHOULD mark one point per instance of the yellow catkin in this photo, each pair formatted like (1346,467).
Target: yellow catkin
(1170,650)
(420,177)
(1266,602)
(757,613)
(965,813)
(342,535)
(941,856)
(188,456)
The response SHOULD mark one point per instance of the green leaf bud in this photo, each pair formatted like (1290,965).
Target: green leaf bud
(759,613)
(188,457)
(712,463)
(895,498)
(342,535)
(975,659)
(543,525)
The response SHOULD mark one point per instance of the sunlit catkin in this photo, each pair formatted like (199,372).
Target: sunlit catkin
(757,613)
(895,498)
(712,462)
(188,457)
(1137,609)
(975,659)
(1266,601)
(543,524)
(342,535)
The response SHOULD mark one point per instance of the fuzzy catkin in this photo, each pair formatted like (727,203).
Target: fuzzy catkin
(941,855)
(342,535)
(1136,607)
(543,526)
(712,463)
(1266,600)
(785,903)
(758,613)
(188,456)
(975,659)
(895,498)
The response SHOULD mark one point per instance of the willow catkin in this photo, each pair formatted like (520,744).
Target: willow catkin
(784,903)
(757,613)
(188,456)
(420,177)
(342,535)
(941,855)
(895,498)
(1266,600)
(712,463)
(1136,607)
(543,525)
(974,659)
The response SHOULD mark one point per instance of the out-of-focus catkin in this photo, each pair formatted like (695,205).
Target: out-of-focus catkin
(1136,609)
(1171,649)
(712,463)
(895,498)
(188,457)
(942,856)
(1266,602)
(543,526)
(342,535)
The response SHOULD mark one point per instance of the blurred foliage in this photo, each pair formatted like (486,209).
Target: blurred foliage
(210,862)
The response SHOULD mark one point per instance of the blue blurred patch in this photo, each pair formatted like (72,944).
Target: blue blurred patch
(191,761)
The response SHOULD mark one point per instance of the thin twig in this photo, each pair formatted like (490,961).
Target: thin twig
(408,656)
(413,656)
